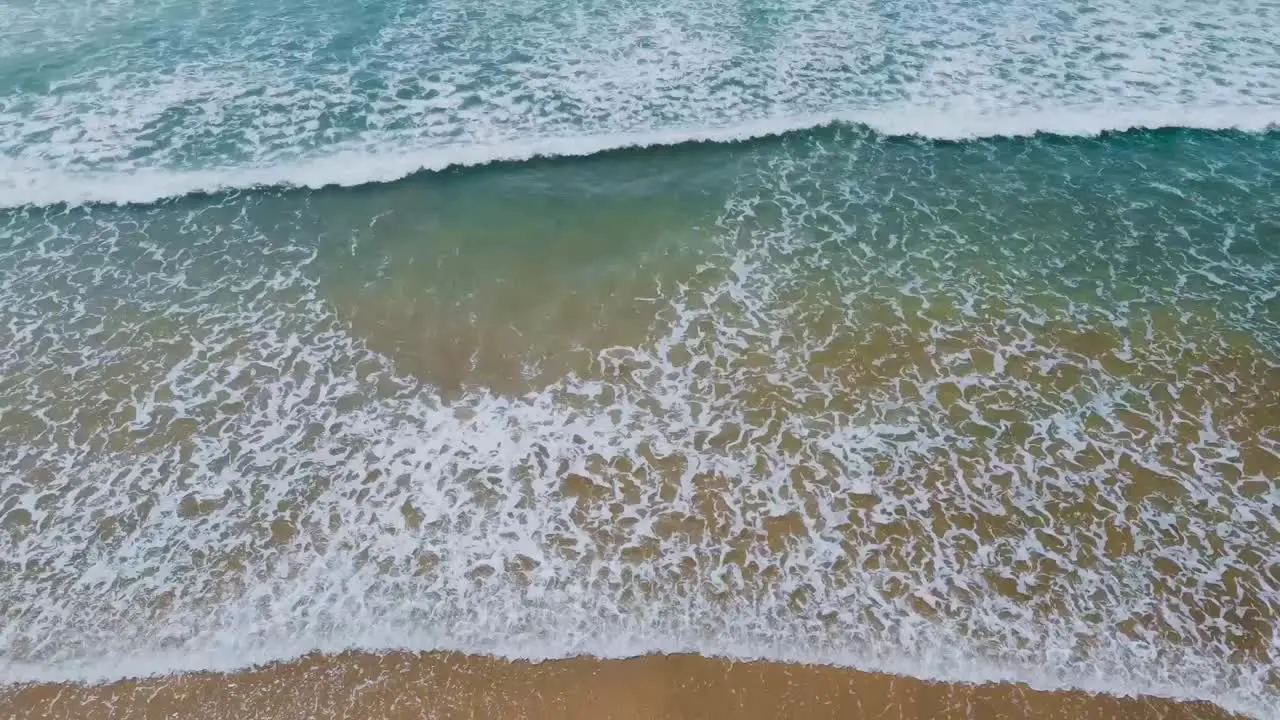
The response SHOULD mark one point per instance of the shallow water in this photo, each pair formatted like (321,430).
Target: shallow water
(986,405)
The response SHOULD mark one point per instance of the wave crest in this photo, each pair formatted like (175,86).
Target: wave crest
(351,167)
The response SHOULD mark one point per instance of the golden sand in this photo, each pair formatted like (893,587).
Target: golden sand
(442,685)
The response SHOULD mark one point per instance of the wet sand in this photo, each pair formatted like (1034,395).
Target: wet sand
(443,685)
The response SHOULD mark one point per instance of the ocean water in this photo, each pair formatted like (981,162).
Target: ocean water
(936,338)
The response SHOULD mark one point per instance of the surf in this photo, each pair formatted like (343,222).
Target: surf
(41,186)
(938,340)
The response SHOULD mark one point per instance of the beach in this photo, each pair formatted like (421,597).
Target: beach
(445,685)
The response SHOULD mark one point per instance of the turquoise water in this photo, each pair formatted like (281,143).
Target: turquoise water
(934,338)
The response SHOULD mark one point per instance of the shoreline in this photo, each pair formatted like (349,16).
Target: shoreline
(452,685)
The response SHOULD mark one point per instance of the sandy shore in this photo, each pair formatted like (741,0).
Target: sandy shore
(439,685)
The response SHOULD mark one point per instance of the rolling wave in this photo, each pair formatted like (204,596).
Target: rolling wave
(35,186)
